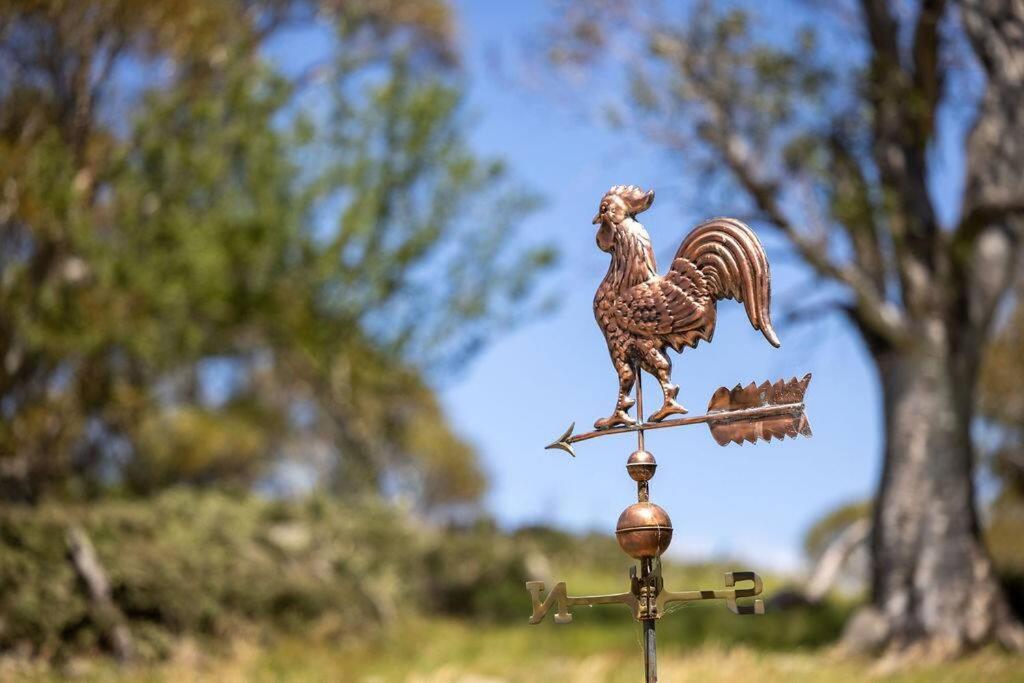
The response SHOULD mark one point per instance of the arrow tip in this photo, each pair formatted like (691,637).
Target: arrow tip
(562,442)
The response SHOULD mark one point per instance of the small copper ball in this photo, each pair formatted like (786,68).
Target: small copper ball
(641,466)
(644,531)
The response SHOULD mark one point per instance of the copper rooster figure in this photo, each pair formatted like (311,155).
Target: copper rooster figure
(642,313)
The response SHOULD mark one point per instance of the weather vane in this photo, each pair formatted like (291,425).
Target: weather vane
(642,315)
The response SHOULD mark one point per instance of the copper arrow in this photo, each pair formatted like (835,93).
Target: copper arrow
(750,413)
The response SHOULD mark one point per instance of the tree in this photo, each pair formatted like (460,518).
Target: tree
(827,132)
(211,267)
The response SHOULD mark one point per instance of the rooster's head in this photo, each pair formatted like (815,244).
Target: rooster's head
(618,204)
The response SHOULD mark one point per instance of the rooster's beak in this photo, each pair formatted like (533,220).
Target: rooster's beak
(597,219)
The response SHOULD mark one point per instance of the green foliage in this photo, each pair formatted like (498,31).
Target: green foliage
(794,628)
(216,568)
(221,270)
(211,565)
(477,572)
(188,564)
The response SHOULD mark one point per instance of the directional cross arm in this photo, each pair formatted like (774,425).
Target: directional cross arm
(647,599)
(558,597)
(729,594)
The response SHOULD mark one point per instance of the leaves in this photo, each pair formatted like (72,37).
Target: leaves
(210,274)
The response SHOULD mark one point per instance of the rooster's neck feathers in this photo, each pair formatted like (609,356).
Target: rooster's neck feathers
(632,258)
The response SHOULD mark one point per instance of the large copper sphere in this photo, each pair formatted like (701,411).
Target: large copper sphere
(641,466)
(644,531)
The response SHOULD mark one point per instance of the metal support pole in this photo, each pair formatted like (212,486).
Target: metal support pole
(643,495)
(650,643)
(642,487)
(639,408)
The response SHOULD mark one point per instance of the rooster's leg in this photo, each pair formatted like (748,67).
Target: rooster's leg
(661,367)
(619,416)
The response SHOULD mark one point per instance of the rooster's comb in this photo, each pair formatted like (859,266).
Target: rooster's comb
(636,199)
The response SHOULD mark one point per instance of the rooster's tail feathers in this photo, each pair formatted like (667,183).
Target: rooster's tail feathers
(733,262)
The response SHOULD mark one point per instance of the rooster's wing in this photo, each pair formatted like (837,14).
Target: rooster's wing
(671,307)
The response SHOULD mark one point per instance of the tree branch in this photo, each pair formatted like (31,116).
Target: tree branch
(927,74)
(830,564)
(977,218)
(880,315)
(995,149)
(855,211)
(901,140)
(715,92)
(985,246)
(109,619)
(814,312)
(883,30)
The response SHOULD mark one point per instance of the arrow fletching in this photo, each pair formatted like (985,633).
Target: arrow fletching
(780,412)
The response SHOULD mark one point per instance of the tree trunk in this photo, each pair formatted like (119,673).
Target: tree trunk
(934,590)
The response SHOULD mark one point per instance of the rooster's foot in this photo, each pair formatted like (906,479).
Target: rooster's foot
(670,408)
(617,419)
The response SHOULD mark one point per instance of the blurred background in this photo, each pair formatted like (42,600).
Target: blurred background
(294,292)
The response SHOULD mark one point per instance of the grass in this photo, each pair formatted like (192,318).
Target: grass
(449,651)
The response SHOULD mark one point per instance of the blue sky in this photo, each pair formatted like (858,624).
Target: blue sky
(754,502)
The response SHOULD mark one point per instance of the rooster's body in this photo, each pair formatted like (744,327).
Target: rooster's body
(642,314)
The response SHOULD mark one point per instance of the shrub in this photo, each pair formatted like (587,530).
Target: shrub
(202,564)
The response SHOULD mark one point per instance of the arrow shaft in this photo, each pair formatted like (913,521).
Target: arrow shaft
(723,416)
